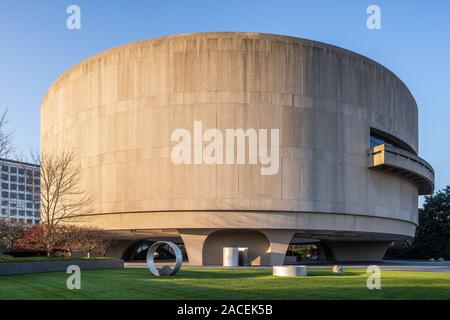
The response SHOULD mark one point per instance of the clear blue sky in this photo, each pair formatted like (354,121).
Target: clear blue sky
(36,46)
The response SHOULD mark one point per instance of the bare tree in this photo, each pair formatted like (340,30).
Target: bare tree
(71,238)
(89,240)
(40,237)
(6,145)
(9,233)
(104,242)
(61,198)
(94,240)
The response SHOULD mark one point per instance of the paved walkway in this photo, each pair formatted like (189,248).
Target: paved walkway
(401,265)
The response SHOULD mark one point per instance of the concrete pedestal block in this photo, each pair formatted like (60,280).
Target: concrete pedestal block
(290,271)
(230,257)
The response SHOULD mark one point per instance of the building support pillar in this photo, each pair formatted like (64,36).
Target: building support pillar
(193,240)
(279,241)
(358,251)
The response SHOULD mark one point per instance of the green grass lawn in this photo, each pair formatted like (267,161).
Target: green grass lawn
(225,284)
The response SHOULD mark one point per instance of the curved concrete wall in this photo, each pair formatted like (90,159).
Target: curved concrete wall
(119,108)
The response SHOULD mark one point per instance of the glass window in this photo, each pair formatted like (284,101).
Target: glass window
(13,195)
(29,221)
(13,170)
(37,215)
(13,186)
(5,185)
(13,212)
(376,140)
(21,212)
(5,176)
(29,213)
(21,196)
(22,179)
(5,194)
(13,178)
(5,203)
(37,181)
(21,171)
(5,212)
(29,197)
(29,205)
(5,168)
(379,138)
(29,181)
(21,187)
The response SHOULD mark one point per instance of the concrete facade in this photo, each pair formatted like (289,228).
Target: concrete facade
(118,109)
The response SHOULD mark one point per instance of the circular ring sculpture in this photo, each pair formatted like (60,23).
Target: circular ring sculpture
(164,270)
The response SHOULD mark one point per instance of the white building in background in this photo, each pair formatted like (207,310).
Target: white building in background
(20,192)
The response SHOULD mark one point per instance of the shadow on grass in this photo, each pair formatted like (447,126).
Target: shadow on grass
(192,274)
(333,274)
(251,273)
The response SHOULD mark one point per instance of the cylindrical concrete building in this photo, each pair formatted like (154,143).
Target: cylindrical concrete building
(345,169)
